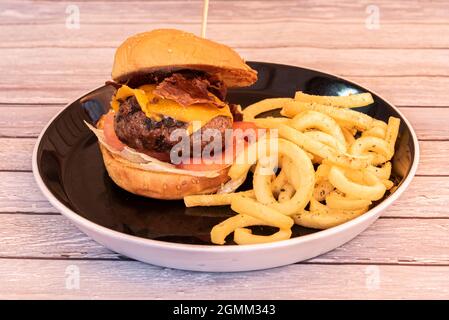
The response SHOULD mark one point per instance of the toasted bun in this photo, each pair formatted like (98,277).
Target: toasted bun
(169,49)
(158,185)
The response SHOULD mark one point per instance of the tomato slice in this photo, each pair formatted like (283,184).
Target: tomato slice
(109,132)
(247,129)
(202,166)
(244,125)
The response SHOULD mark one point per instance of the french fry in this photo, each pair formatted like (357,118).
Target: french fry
(362,185)
(378,132)
(206,200)
(336,200)
(245,160)
(279,182)
(322,172)
(245,236)
(322,150)
(383,172)
(388,184)
(378,149)
(326,139)
(303,184)
(322,189)
(392,132)
(270,122)
(349,117)
(286,193)
(316,120)
(220,231)
(289,167)
(323,217)
(255,209)
(251,111)
(349,137)
(351,101)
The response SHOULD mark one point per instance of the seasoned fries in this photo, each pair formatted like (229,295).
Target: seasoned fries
(331,164)
(207,200)
(321,216)
(263,106)
(346,117)
(351,101)
(301,176)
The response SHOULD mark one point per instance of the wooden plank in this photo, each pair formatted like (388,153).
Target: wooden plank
(19,193)
(434,158)
(408,91)
(43,279)
(426,196)
(47,236)
(56,89)
(15,154)
(28,121)
(25,120)
(356,62)
(62,74)
(76,63)
(388,241)
(429,124)
(224,11)
(239,35)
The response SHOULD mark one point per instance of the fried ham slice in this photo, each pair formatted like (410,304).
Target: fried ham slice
(187,90)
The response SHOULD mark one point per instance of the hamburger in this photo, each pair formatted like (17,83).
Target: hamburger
(169,81)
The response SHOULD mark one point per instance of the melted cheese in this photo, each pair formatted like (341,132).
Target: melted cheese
(155,107)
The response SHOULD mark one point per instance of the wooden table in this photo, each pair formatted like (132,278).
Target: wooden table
(46,61)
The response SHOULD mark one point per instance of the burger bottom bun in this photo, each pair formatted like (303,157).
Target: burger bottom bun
(158,185)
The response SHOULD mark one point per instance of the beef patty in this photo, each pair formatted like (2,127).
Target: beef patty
(145,135)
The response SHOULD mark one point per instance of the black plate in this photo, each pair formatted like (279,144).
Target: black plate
(71,166)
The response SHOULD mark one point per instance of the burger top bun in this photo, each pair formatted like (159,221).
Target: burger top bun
(170,49)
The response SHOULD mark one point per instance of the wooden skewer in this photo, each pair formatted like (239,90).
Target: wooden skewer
(204,24)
